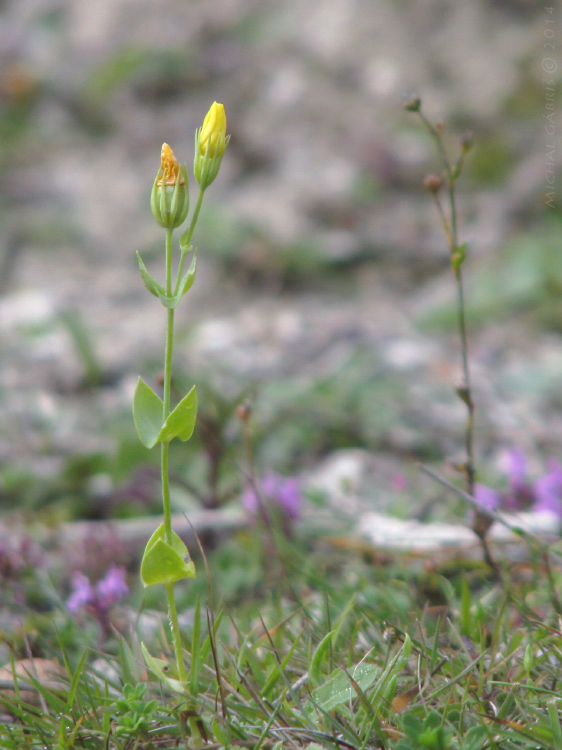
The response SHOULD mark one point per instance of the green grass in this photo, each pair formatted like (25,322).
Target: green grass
(322,648)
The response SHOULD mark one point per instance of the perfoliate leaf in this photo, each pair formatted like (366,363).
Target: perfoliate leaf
(181,422)
(147,413)
(151,284)
(165,563)
(189,278)
(157,666)
(185,285)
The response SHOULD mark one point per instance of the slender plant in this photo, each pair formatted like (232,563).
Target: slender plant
(166,559)
(457,252)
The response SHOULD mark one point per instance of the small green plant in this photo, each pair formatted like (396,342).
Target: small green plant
(133,714)
(166,559)
(429,733)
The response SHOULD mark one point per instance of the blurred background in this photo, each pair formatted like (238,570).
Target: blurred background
(324,296)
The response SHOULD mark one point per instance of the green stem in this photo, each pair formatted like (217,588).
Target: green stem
(186,239)
(176,635)
(172,611)
(166,395)
(467,395)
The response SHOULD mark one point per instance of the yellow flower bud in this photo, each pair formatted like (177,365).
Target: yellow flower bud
(169,200)
(213,132)
(210,143)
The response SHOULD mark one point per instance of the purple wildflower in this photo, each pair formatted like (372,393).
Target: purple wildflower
(486,497)
(516,469)
(83,593)
(548,489)
(113,587)
(545,494)
(275,490)
(289,497)
(99,599)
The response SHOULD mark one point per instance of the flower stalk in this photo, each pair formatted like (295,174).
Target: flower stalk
(166,559)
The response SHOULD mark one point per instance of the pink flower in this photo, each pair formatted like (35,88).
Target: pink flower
(284,492)
(113,587)
(486,497)
(99,599)
(545,494)
(83,593)
(548,489)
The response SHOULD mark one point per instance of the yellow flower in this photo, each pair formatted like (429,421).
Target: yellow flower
(212,138)
(211,141)
(170,168)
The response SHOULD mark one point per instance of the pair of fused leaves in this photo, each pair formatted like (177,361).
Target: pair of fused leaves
(165,562)
(160,667)
(147,413)
(155,288)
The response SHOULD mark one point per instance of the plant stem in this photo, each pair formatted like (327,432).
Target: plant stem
(481,519)
(466,390)
(166,394)
(186,239)
(176,635)
(172,611)
(450,227)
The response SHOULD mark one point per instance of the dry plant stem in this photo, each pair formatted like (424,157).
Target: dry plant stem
(450,229)
(172,611)
(466,387)
(481,519)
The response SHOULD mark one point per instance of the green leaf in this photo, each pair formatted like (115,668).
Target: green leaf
(185,285)
(412,726)
(181,422)
(188,279)
(338,689)
(151,284)
(165,563)
(159,291)
(316,662)
(475,738)
(147,413)
(158,666)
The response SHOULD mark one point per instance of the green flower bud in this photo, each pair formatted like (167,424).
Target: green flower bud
(169,200)
(210,144)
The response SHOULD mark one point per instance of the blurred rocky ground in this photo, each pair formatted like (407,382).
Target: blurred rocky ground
(324,292)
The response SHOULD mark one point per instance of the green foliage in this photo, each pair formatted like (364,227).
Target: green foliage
(314,660)
(133,714)
(165,563)
(181,422)
(147,414)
